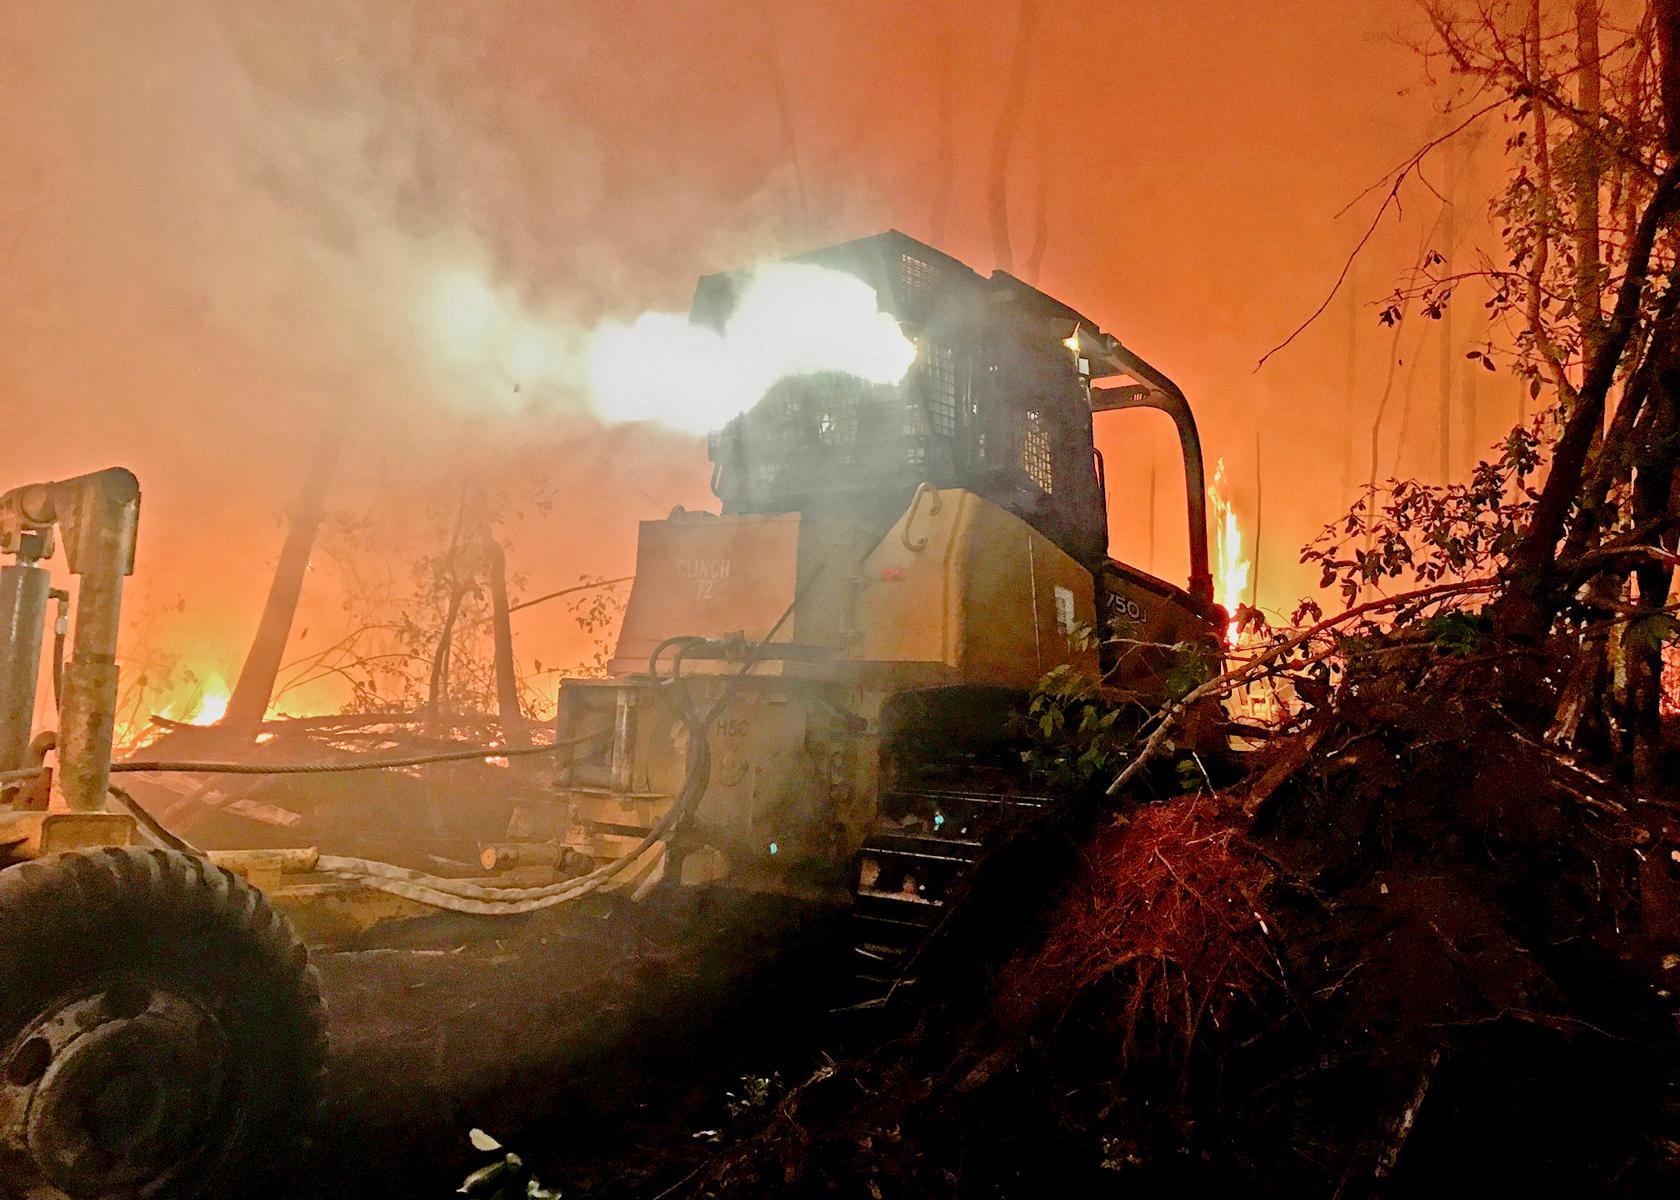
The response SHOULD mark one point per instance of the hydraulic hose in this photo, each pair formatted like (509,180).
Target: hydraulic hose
(150,825)
(466,896)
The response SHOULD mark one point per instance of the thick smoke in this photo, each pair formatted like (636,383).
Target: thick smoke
(225,226)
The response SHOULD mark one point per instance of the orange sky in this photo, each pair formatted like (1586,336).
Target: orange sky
(220,220)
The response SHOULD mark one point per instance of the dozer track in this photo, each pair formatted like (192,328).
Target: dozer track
(917,867)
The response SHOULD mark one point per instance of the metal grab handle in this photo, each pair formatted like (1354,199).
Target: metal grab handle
(922,489)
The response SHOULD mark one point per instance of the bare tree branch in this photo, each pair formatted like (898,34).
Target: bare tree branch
(1392,199)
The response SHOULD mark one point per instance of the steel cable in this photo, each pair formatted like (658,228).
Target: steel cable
(192,767)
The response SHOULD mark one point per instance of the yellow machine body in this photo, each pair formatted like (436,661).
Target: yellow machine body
(959,592)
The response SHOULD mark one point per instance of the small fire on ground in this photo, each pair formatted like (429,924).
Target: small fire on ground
(205,706)
(194,700)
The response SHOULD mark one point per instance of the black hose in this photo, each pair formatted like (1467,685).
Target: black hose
(153,827)
(659,651)
(699,726)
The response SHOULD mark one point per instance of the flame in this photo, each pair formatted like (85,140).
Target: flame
(1233,564)
(204,705)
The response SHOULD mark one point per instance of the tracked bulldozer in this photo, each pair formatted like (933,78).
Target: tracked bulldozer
(814,693)
(814,690)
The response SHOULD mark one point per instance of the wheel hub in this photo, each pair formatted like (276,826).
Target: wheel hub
(115,1090)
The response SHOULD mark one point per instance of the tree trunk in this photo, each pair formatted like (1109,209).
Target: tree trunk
(945,154)
(1003,140)
(459,568)
(1259,517)
(1527,607)
(511,716)
(1350,384)
(1655,444)
(1587,180)
(1041,196)
(255,686)
(1667,22)
(1449,241)
(784,111)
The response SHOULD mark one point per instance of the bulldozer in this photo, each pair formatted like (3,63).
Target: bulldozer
(814,690)
(815,693)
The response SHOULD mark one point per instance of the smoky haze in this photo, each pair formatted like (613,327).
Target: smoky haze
(224,227)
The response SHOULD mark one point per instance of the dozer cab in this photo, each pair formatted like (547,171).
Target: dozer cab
(812,690)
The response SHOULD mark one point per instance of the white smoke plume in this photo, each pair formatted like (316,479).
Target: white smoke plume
(791,319)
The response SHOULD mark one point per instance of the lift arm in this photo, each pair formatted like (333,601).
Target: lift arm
(97,515)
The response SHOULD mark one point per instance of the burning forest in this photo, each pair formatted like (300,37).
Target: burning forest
(660,602)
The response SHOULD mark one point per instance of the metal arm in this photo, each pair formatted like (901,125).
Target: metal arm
(24,591)
(1155,390)
(97,515)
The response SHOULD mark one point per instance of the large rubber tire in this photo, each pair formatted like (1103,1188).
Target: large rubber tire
(161,1030)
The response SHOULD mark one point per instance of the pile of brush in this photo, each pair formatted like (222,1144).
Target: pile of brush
(432,817)
(1413,949)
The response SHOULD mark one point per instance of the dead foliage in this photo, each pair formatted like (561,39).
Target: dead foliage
(1472,921)
(1415,950)
(1166,909)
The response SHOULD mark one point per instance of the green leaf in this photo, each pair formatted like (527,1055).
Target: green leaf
(1652,630)
(1459,634)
